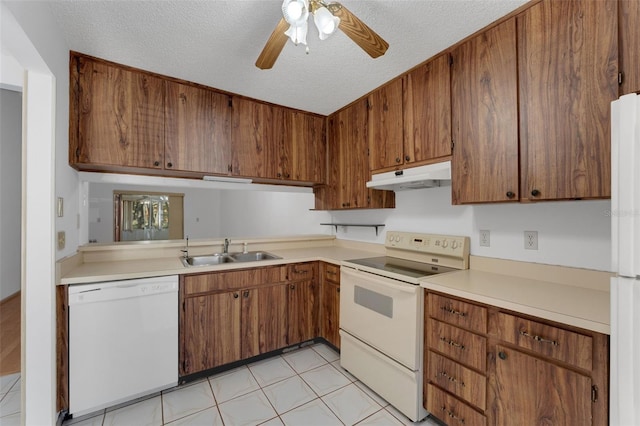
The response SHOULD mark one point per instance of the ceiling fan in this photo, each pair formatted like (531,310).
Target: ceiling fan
(328,17)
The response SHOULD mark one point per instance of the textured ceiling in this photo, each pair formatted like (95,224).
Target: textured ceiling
(216,43)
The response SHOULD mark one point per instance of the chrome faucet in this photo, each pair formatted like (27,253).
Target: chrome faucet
(185,251)
(225,248)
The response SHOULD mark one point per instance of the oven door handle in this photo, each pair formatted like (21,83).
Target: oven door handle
(378,280)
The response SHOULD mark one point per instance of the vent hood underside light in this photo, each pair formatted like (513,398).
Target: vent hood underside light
(428,176)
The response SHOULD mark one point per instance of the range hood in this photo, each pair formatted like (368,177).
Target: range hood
(413,178)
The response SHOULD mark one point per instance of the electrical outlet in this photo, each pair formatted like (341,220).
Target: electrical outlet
(531,240)
(61,240)
(485,238)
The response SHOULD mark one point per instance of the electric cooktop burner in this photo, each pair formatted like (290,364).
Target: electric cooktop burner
(404,267)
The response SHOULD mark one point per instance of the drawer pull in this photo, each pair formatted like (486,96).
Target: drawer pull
(452,415)
(331,273)
(452,311)
(300,271)
(452,343)
(450,378)
(538,338)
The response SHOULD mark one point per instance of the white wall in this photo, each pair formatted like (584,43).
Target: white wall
(570,233)
(10,190)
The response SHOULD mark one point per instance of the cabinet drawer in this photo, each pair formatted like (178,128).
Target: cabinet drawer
(458,313)
(231,280)
(553,342)
(460,345)
(458,380)
(332,273)
(451,410)
(302,271)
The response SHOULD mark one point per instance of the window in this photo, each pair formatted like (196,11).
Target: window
(147,216)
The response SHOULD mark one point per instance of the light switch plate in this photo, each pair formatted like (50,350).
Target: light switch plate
(60,207)
(61,240)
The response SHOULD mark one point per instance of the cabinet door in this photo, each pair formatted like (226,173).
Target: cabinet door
(120,117)
(484,116)
(536,392)
(629,22)
(330,312)
(350,131)
(198,126)
(427,111)
(567,55)
(257,138)
(264,319)
(302,311)
(304,150)
(206,342)
(385,127)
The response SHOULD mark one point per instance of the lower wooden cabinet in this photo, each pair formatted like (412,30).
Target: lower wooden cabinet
(302,312)
(264,319)
(484,365)
(330,303)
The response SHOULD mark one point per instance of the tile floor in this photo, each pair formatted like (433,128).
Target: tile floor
(304,387)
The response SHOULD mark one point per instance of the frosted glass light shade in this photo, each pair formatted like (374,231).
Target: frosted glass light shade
(326,23)
(295,12)
(298,34)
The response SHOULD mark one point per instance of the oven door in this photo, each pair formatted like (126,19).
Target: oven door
(384,313)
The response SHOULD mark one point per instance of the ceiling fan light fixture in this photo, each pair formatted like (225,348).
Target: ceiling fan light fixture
(326,23)
(295,12)
(298,33)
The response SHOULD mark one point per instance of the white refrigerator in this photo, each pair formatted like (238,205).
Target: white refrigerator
(625,250)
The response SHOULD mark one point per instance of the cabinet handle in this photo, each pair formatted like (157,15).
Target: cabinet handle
(510,194)
(449,309)
(245,294)
(407,158)
(338,289)
(450,378)
(235,295)
(535,192)
(452,343)
(292,287)
(169,164)
(156,163)
(287,175)
(300,271)
(279,175)
(452,415)
(538,338)
(398,159)
(502,355)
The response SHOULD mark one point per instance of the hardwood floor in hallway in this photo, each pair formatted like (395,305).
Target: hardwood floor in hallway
(10,335)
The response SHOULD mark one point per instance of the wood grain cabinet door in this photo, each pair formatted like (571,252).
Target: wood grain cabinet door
(629,27)
(350,130)
(120,116)
(385,129)
(264,319)
(256,138)
(568,76)
(302,311)
(210,331)
(485,117)
(330,312)
(427,111)
(198,125)
(304,149)
(531,391)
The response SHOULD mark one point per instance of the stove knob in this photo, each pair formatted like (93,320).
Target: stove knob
(398,238)
(454,244)
(445,243)
(390,238)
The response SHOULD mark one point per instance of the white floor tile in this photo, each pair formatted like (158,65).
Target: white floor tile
(11,420)
(10,404)
(325,379)
(377,398)
(326,352)
(338,367)
(147,412)
(381,418)
(187,400)
(304,359)
(250,409)
(7,382)
(351,404)
(228,386)
(273,422)
(270,371)
(289,394)
(208,417)
(314,413)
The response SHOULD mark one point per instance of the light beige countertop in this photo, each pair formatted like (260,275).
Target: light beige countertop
(582,302)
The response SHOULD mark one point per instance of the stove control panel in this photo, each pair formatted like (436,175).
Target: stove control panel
(443,245)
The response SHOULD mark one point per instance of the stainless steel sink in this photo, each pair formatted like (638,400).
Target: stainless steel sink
(207,260)
(253,256)
(219,258)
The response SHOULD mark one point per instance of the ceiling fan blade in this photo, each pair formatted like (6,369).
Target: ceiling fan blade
(358,31)
(274,46)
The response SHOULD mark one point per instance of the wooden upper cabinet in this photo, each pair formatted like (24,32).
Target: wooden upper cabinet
(629,30)
(485,117)
(568,55)
(385,127)
(198,129)
(304,148)
(427,111)
(256,138)
(120,116)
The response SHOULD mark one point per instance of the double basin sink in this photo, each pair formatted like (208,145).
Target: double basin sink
(220,258)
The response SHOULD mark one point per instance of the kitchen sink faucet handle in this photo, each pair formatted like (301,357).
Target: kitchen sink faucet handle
(244,248)
(225,248)
(185,250)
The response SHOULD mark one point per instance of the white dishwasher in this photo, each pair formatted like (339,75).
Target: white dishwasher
(123,341)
